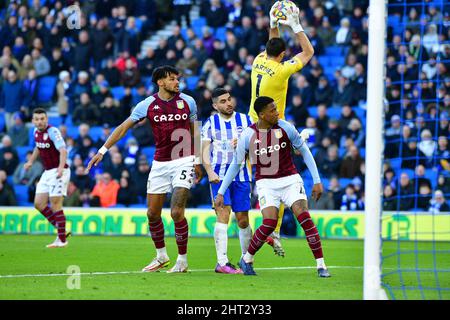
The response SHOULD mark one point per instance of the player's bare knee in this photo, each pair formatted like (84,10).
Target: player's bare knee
(223,216)
(300,206)
(39,206)
(177,213)
(243,221)
(153,215)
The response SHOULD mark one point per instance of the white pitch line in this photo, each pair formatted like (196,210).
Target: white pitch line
(140,272)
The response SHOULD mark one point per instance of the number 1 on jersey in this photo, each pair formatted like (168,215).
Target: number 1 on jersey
(258,84)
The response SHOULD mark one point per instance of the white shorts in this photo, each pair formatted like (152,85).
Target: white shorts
(167,175)
(287,190)
(53,186)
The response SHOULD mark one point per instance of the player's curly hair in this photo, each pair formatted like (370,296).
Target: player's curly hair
(163,72)
(261,103)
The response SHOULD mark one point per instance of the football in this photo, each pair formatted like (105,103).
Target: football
(283,8)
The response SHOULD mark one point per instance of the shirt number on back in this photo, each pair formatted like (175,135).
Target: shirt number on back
(258,83)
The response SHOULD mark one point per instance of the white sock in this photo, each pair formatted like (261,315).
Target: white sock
(248,258)
(321,263)
(182,258)
(221,241)
(162,253)
(245,235)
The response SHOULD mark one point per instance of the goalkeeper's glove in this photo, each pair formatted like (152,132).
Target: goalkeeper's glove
(273,18)
(293,20)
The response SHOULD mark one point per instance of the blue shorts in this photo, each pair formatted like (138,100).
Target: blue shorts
(237,195)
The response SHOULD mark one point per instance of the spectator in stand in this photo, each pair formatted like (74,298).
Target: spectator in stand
(111,73)
(106,190)
(147,63)
(81,180)
(350,167)
(216,14)
(30,90)
(333,131)
(110,111)
(83,52)
(356,132)
(27,177)
(335,188)
(326,33)
(331,165)
(347,114)
(139,177)
(393,132)
(315,137)
(8,156)
(349,200)
(323,94)
(322,118)
(18,132)
(298,110)
(343,93)
(182,8)
(344,34)
(438,204)
(389,199)
(443,153)
(427,146)
(73,198)
(326,202)
(188,65)
(40,63)
(303,88)
(82,85)
(63,92)
(101,90)
(424,198)
(57,62)
(116,166)
(102,42)
(7,196)
(86,112)
(316,41)
(126,194)
(131,76)
(11,97)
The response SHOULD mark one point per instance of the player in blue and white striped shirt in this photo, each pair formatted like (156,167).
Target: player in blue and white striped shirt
(219,139)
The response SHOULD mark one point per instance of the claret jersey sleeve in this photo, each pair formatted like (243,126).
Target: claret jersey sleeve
(299,144)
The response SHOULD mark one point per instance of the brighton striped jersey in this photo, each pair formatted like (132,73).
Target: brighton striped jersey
(220,132)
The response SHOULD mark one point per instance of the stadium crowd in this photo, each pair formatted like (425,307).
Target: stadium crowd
(103,56)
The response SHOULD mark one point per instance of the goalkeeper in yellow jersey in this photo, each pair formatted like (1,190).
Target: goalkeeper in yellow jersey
(270,77)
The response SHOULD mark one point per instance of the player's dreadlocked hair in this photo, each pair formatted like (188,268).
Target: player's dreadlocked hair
(163,72)
(275,46)
(261,103)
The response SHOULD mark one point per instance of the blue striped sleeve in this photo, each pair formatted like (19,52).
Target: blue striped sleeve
(238,159)
(206,130)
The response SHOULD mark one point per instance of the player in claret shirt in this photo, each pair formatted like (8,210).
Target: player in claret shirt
(172,115)
(269,143)
(50,146)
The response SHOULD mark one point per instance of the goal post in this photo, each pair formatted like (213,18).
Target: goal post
(374,150)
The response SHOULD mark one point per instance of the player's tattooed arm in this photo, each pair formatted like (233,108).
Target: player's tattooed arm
(196,137)
(115,136)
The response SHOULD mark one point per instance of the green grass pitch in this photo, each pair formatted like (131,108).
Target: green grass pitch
(110,269)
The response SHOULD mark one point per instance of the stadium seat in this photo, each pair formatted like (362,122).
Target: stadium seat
(139,205)
(199,22)
(334,112)
(31,137)
(191,82)
(433,176)
(95,132)
(72,131)
(22,152)
(47,87)
(221,33)
(149,153)
(342,151)
(360,112)
(21,192)
(138,23)
(410,172)
(312,111)
(55,121)
(325,182)
(2,122)
(334,51)
(118,92)
(344,182)
(396,164)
